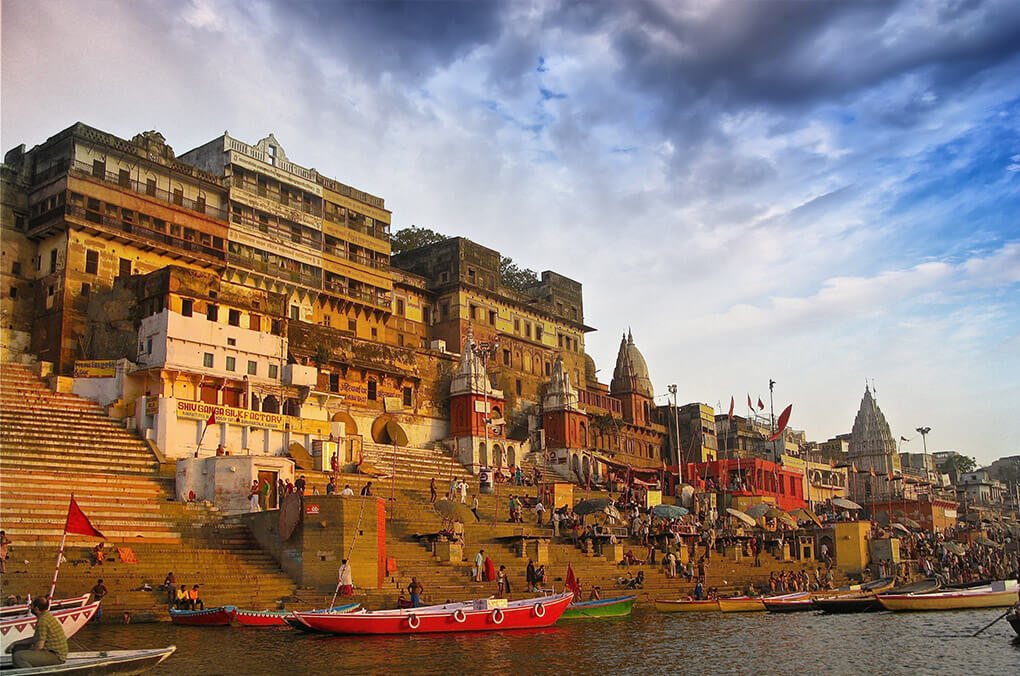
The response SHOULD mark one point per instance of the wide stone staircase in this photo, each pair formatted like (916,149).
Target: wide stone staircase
(55,444)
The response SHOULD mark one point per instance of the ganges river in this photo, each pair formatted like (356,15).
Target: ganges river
(646,643)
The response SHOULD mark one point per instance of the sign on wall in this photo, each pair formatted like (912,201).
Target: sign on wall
(95,368)
(199,410)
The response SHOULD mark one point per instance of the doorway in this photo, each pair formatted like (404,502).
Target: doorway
(268,500)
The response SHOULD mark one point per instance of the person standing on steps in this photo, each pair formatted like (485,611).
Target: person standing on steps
(432,490)
(529,575)
(539,511)
(502,586)
(474,506)
(415,590)
(99,592)
(556,523)
(463,491)
(5,545)
(346,579)
(479,565)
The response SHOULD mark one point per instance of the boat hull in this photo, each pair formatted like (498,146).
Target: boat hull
(741,605)
(71,621)
(521,615)
(211,617)
(789,603)
(683,606)
(59,604)
(953,600)
(616,607)
(283,618)
(861,604)
(93,663)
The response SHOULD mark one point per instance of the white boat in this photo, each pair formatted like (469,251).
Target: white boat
(59,604)
(95,663)
(71,620)
(998,594)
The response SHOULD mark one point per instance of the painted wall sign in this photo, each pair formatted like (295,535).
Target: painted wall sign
(95,368)
(311,509)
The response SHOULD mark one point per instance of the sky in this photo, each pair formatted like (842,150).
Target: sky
(825,194)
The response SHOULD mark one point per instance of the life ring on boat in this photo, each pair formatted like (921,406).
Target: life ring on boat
(413,622)
(539,610)
(459,615)
(497,616)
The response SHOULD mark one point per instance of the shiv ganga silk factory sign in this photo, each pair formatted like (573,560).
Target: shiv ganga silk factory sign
(200,410)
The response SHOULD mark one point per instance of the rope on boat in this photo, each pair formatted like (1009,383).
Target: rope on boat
(357,529)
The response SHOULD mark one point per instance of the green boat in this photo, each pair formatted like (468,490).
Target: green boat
(617,607)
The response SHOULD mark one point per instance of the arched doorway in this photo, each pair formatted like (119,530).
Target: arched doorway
(270,405)
(483,454)
(574,465)
(511,455)
(254,402)
(350,426)
(497,455)
(585,467)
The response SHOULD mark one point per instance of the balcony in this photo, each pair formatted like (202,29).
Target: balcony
(601,401)
(116,226)
(175,199)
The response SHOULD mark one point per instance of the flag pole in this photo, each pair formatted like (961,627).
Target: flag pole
(60,553)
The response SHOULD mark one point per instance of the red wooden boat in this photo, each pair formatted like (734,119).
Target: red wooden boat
(210,617)
(477,616)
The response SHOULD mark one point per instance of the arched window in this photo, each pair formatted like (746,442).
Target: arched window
(270,405)
(254,402)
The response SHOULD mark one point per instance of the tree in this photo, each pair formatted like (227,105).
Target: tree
(414,237)
(515,277)
(956,465)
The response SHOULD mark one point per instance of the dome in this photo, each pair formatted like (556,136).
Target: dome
(631,372)
(589,369)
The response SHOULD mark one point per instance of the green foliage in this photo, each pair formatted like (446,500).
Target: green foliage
(407,239)
(515,277)
(957,465)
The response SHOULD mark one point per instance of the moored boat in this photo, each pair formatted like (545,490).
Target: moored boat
(686,606)
(996,595)
(1014,619)
(210,617)
(279,618)
(483,615)
(788,603)
(59,604)
(96,663)
(71,620)
(741,604)
(868,603)
(615,607)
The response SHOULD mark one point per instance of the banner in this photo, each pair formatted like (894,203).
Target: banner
(95,368)
(199,410)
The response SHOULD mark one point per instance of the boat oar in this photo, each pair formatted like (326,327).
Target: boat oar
(992,622)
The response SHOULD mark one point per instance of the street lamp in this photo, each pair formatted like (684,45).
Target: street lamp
(923,431)
(676,426)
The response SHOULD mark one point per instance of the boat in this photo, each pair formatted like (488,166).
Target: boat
(789,603)
(59,604)
(96,663)
(998,594)
(210,617)
(481,615)
(615,607)
(1014,619)
(686,606)
(741,604)
(278,618)
(71,621)
(867,603)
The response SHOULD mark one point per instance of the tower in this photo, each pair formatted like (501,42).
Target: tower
(631,384)
(473,403)
(872,448)
(565,425)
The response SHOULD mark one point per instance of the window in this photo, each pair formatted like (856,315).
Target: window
(527,330)
(231,363)
(400,339)
(255,322)
(148,345)
(178,196)
(517,325)
(444,310)
(371,390)
(518,387)
(231,341)
(14,292)
(124,178)
(49,292)
(352,325)
(426,315)
(375,332)
(407,396)
(492,317)
(187,306)
(538,333)
(400,307)
(207,360)
(150,186)
(253,368)
(548,369)
(506,357)
(444,276)
(86,289)
(53,260)
(472,312)
(234,317)
(274,371)
(16,268)
(125,267)
(212,312)
(99,169)
(295,313)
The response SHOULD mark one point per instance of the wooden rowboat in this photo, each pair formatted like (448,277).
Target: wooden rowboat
(868,603)
(274,618)
(59,604)
(71,621)
(210,617)
(999,594)
(741,604)
(615,607)
(686,606)
(96,663)
(479,616)
(789,603)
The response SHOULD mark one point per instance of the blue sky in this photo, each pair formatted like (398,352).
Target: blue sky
(818,193)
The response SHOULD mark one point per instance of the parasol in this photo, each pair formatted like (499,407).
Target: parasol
(741,516)
(804,514)
(757,511)
(774,513)
(982,540)
(910,523)
(900,527)
(787,519)
(955,548)
(845,504)
(596,505)
(882,517)
(455,511)
(669,511)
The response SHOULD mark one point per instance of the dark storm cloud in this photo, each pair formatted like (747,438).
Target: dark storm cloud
(405,39)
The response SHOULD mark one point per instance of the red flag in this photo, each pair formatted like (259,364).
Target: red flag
(571,581)
(78,524)
(761,406)
(904,439)
(784,418)
(731,408)
(749,404)
(211,420)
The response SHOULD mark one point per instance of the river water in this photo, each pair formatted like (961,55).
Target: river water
(645,643)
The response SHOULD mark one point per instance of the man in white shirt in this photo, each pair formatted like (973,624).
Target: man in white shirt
(347,490)
(539,511)
(463,492)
